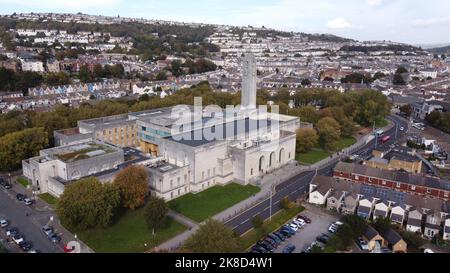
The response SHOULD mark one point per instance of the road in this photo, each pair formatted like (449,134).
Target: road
(29,226)
(297,186)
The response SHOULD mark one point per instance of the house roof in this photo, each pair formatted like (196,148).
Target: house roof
(392,236)
(323,183)
(370,233)
(380,213)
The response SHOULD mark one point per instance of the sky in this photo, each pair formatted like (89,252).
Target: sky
(408,21)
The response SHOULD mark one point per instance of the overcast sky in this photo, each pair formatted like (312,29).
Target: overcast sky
(410,21)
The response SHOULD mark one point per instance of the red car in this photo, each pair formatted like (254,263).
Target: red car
(304,218)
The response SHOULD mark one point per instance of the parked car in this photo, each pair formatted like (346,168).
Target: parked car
(304,218)
(18,239)
(4,223)
(333,229)
(285,232)
(289,248)
(362,244)
(280,235)
(21,197)
(31,251)
(275,238)
(323,239)
(338,223)
(11,232)
(289,229)
(25,246)
(258,249)
(271,242)
(28,201)
(5,185)
(265,245)
(55,238)
(293,226)
(48,230)
(299,222)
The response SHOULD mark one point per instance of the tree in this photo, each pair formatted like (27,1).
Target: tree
(382,224)
(399,80)
(156,212)
(85,75)
(307,138)
(132,183)
(401,70)
(161,76)
(329,133)
(59,78)
(117,71)
(286,203)
(306,82)
(434,118)
(21,145)
(88,203)
(213,237)
(257,222)
(406,109)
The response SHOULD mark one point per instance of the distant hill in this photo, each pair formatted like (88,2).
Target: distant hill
(439,50)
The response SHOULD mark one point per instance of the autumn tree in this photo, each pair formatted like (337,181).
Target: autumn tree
(88,203)
(21,145)
(132,183)
(213,237)
(156,212)
(329,133)
(307,138)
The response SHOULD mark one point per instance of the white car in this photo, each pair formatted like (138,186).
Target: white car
(294,227)
(4,223)
(338,223)
(18,239)
(402,129)
(332,229)
(299,223)
(28,202)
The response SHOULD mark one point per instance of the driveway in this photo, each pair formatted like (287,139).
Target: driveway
(321,220)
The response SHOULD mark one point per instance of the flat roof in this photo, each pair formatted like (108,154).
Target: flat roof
(82,151)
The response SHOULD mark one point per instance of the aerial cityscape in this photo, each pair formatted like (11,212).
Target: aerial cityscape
(140,133)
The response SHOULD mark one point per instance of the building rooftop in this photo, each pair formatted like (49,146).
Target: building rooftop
(78,152)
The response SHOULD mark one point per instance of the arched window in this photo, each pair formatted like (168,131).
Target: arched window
(272,159)
(261,163)
(281,155)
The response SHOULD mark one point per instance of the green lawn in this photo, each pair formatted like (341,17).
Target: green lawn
(210,202)
(48,198)
(23,181)
(318,154)
(281,218)
(312,157)
(129,235)
(381,122)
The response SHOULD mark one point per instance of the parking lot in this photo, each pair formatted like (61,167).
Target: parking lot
(321,220)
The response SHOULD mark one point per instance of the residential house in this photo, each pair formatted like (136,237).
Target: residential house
(335,201)
(365,208)
(415,218)
(398,214)
(432,224)
(395,242)
(381,210)
(447,228)
(319,190)
(374,240)
(349,204)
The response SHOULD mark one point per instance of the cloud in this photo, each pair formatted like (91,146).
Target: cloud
(441,21)
(338,23)
(374,2)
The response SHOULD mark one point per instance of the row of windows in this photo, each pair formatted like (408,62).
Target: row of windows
(115,130)
(209,173)
(155,132)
